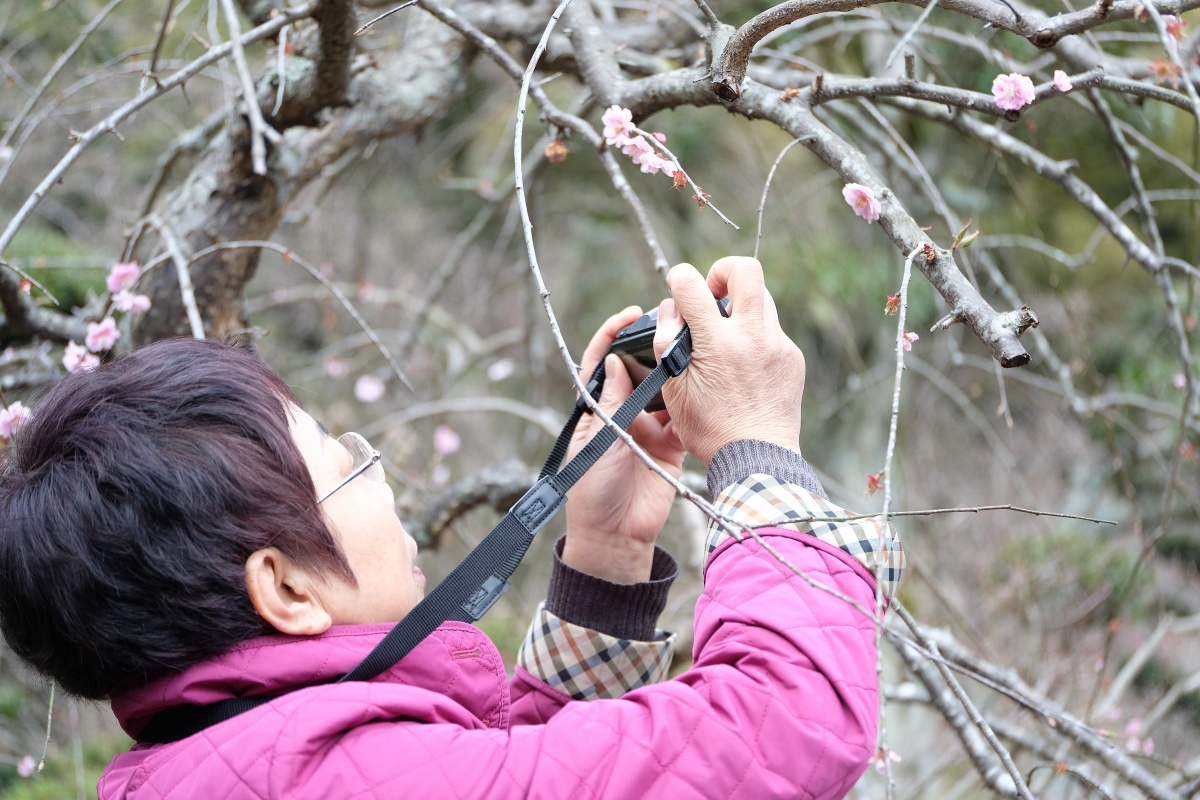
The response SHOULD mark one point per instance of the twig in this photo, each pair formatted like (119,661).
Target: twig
(1173,53)
(280,64)
(1022,790)
(1095,743)
(152,67)
(110,122)
(385,15)
(709,16)
(706,203)
(49,77)
(909,34)
(932,511)
(563,120)
(762,203)
(260,131)
(49,722)
(1061,768)
(973,744)
(182,264)
(881,544)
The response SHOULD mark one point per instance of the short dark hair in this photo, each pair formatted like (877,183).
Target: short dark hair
(129,503)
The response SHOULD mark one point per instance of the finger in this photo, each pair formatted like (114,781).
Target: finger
(693,300)
(617,385)
(669,324)
(660,441)
(741,278)
(603,338)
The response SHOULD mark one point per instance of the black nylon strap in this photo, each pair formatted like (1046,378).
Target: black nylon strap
(481,578)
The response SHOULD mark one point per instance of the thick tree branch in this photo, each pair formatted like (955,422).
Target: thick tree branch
(338,20)
(729,67)
(222,200)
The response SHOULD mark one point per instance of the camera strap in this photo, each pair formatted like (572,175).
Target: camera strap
(475,585)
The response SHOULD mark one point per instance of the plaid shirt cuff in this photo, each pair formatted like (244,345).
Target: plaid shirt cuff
(589,665)
(759,501)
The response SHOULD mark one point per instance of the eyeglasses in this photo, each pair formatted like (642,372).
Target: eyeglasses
(364,458)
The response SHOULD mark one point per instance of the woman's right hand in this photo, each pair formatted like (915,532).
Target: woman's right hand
(746,377)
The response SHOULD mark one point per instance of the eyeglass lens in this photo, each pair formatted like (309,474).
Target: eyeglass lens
(361,452)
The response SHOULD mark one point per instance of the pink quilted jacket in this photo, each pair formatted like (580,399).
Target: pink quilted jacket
(781,701)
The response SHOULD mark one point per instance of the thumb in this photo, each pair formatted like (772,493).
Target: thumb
(617,384)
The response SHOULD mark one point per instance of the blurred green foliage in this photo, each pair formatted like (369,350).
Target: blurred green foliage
(61,778)
(72,286)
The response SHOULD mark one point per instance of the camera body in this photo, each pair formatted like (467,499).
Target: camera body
(634,345)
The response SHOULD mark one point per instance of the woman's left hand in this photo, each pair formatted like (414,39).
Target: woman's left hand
(615,511)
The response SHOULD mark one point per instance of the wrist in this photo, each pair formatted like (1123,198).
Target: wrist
(613,558)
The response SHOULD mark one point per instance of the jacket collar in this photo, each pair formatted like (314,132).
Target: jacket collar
(457,661)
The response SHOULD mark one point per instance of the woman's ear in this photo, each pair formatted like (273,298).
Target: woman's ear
(285,594)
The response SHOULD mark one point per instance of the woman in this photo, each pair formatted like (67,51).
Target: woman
(175,530)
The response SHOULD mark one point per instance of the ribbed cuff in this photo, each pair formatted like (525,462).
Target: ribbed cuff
(627,611)
(737,460)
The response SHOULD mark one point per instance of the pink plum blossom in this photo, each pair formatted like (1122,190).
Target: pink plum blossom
(102,335)
(660,137)
(11,418)
(862,200)
(368,389)
(652,163)
(1179,381)
(126,300)
(1012,91)
(1062,81)
(617,122)
(636,148)
(907,339)
(445,440)
(26,766)
(77,358)
(122,276)
(1174,25)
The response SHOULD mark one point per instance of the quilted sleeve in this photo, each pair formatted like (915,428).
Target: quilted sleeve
(780,702)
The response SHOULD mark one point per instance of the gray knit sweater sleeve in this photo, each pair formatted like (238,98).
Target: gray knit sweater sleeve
(627,611)
(736,460)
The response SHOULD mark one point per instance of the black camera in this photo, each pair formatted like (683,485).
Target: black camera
(634,345)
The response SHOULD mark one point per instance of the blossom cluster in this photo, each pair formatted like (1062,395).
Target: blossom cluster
(103,335)
(619,131)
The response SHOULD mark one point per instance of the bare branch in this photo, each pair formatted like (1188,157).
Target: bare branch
(110,122)
(260,131)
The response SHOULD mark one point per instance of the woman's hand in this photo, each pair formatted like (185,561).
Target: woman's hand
(615,511)
(746,377)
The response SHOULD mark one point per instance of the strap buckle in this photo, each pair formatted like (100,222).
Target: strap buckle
(678,354)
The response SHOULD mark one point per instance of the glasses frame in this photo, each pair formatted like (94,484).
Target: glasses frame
(360,469)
